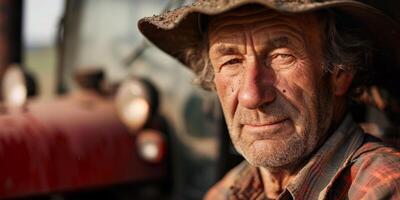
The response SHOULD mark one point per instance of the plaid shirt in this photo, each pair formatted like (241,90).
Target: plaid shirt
(350,165)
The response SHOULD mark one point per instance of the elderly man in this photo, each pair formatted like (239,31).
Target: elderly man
(285,72)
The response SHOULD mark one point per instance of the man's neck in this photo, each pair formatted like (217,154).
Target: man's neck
(275,181)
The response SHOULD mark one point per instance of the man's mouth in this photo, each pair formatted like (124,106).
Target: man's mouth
(267,123)
(274,129)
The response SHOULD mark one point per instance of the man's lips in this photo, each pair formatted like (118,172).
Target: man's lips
(274,129)
(268,123)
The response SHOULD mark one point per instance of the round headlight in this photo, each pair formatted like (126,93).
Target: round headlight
(134,103)
(151,146)
(14,89)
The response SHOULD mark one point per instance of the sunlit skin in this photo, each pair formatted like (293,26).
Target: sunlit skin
(277,100)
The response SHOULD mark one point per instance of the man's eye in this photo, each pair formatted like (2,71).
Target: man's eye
(232,62)
(283,57)
(280,61)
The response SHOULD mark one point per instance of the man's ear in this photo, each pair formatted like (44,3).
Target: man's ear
(341,81)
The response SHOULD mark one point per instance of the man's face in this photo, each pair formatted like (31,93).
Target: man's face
(269,78)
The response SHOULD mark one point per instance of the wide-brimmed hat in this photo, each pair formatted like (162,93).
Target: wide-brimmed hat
(178,31)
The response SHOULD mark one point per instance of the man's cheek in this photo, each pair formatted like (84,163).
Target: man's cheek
(227,90)
(226,86)
(293,98)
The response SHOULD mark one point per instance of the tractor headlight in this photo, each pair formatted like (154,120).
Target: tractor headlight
(134,103)
(14,88)
(151,146)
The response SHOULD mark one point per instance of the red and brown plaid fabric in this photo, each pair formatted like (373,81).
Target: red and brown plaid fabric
(350,165)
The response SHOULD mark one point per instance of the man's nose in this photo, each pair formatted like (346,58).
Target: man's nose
(257,86)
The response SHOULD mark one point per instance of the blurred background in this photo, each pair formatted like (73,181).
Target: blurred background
(41,21)
(90,109)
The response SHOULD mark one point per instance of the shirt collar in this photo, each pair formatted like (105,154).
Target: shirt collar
(315,178)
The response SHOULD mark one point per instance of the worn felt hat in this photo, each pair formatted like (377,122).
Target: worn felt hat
(179,31)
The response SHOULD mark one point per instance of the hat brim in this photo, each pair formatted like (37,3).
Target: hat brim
(177,31)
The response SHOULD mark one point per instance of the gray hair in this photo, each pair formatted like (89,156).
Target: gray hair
(346,48)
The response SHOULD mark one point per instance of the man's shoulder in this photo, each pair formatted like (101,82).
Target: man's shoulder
(375,171)
(221,189)
(376,153)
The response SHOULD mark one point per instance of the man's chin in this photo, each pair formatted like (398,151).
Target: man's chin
(283,158)
(272,163)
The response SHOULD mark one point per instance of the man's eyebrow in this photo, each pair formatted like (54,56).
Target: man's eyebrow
(225,50)
(278,42)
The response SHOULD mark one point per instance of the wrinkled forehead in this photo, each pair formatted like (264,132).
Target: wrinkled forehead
(306,25)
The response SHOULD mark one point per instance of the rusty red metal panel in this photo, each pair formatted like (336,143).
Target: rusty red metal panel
(68,144)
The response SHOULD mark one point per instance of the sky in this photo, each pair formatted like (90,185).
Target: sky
(40,22)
